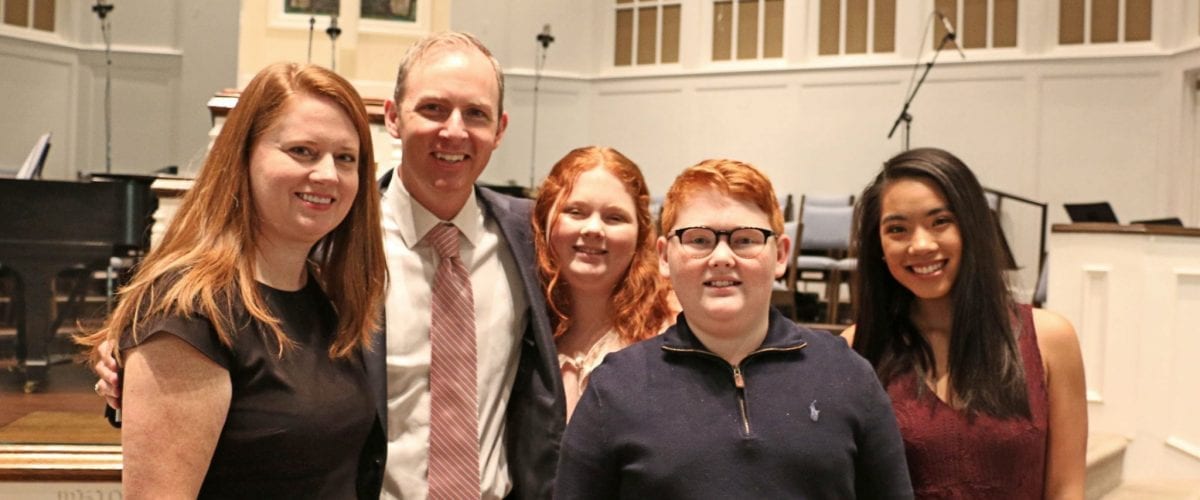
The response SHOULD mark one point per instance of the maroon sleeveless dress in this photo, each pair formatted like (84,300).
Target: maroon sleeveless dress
(952,455)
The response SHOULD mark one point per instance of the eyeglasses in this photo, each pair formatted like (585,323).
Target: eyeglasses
(746,242)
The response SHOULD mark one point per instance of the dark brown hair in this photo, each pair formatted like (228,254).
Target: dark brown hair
(986,373)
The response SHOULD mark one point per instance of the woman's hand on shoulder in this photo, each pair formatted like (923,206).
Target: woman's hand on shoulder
(109,385)
(1065,387)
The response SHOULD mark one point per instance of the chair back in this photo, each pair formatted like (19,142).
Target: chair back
(827,228)
(786,206)
(793,229)
(783,294)
(826,200)
(656,203)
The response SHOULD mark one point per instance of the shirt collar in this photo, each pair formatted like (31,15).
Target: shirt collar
(782,333)
(414,221)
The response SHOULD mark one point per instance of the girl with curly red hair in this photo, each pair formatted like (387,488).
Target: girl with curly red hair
(595,248)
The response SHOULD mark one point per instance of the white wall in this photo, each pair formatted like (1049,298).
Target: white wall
(1055,124)
(168,58)
(510,30)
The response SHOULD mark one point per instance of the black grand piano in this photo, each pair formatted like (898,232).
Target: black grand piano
(50,226)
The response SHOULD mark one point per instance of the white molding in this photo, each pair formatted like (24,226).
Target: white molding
(1187,447)
(642,91)
(547,75)
(1091,75)
(718,88)
(1093,324)
(884,82)
(1181,371)
(856,62)
(30,34)
(56,42)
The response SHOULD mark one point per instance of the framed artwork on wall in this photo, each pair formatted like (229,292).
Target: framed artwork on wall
(319,7)
(382,17)
(389,10)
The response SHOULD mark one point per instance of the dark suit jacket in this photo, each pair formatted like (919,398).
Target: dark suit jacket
(536,414)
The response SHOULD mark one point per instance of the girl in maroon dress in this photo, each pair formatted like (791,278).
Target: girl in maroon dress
(988,393)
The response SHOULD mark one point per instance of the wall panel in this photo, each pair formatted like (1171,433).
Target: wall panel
(650,124)
(29,112)
(1183,430)
(1101,122)
(562,125)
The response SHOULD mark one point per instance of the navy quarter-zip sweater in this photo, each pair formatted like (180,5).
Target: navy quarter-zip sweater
(803,416)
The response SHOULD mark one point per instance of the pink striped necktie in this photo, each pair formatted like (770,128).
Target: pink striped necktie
(453,414)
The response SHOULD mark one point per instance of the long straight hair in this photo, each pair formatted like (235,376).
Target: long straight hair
(205,262)
(640,303)
(986,372)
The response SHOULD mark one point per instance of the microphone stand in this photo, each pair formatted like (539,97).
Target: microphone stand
(102,9)
(904,115)
(312,23)
(333,31)
(544,39)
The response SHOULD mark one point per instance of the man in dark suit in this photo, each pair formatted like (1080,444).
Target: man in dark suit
(448,113)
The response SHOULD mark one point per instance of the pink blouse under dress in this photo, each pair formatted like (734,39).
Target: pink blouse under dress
(576,370)
(953,455)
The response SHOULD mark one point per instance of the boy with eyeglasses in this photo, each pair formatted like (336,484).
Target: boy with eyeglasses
(735,400)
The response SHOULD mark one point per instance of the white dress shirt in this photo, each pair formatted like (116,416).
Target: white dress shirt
(500,320)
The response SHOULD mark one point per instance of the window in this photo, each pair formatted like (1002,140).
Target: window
(747,29)
(980,24)
(1104,21)
(35,14)
(856,27)
(647,32)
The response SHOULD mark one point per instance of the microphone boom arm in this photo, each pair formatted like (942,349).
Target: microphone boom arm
(904,115)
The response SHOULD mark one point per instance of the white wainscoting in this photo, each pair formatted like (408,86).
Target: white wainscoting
(1134,299)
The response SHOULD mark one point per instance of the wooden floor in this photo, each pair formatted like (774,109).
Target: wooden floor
(67,411)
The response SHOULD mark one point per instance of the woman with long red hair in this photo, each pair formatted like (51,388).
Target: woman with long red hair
(594,237)
(240,337)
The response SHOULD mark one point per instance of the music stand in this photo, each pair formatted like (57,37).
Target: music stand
(32,169)
(1010,259)
(1091,212)
(1165,221)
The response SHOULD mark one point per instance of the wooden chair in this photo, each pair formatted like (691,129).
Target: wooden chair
(783,294)
(828,222)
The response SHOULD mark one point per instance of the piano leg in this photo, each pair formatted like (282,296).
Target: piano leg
(36,284)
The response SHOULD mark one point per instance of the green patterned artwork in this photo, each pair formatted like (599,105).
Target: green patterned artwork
(390,10)
(324,7)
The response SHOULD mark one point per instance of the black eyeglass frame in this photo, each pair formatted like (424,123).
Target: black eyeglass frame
(727,233)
